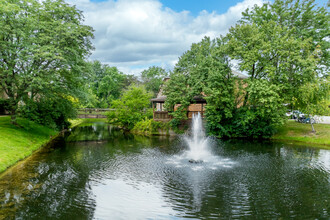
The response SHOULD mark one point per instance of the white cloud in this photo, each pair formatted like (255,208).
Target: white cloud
(135,34)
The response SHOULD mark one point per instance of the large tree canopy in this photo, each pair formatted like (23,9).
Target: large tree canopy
(203,71)
(284,49)
(106,83)
(43,46)
(285,42)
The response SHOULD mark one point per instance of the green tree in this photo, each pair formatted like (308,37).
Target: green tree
(204,70)
(189,76)
(284,42)
(131,80)
(105,82)
(263,113)
(132,107)
(43,46)
(152,78)
(312,99)
(301,19)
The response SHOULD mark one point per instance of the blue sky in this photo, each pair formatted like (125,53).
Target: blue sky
(196,6)
(136,34)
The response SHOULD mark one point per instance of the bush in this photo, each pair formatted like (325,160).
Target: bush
(149,127)
(4,105)
(133,107)
(53,113)
(258,119)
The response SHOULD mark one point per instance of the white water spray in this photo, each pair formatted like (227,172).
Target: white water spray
(197,142)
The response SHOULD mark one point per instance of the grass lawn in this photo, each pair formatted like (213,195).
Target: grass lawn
(295,131)
(16,143)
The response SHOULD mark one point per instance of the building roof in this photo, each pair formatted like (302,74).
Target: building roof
(238,74)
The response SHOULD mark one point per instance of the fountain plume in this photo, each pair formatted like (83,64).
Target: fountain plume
(197,142)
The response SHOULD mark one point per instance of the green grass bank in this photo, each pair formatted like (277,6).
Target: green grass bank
(294,131)
(18,142)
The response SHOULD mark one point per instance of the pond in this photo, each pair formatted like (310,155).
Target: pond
(99,172)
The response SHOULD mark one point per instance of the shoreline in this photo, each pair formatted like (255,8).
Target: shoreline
(285,134)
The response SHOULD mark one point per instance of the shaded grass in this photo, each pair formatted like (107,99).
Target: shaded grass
(295,131)
(18,142)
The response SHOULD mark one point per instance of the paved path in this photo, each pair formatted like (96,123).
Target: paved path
(323,119)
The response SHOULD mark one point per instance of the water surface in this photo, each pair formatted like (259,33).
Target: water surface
(99,172)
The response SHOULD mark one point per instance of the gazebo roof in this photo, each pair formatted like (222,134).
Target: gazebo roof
(159,99)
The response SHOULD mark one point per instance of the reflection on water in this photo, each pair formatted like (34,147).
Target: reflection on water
(115,175)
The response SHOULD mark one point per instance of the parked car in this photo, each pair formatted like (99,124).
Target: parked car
(297,114)
(288,113)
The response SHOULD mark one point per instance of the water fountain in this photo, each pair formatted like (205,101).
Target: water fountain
(199,156)
(198,142)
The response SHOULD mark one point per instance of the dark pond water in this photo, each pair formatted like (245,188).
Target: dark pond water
(113,175)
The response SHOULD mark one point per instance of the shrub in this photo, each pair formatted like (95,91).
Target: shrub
(149,127)
(133,107)
(4,105)
(53,112)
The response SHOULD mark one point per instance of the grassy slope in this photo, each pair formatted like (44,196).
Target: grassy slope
(302,132)
(17,143)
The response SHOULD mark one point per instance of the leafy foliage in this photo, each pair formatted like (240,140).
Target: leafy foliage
(235,108)
(149,127)
(43,49)
(191,75)
(104,84)
(284,42)
(287,44)
(132,107)
(152,78)
(53,112)
(4,105)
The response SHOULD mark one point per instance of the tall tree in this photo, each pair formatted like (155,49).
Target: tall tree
(152,78)
(43,46)
(204,71)
(284,42)
(105,82)
(301,19)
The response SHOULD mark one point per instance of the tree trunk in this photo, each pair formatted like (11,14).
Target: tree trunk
(13,109)
(13,119)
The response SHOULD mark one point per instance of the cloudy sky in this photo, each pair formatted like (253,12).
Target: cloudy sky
(135,34)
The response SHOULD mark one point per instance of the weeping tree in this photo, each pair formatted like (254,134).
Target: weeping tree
(43,46)
(313,99)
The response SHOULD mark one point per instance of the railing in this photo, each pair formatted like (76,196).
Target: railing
(164,116)
(93,112)
(90,110)
(161,116)
(191,113)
